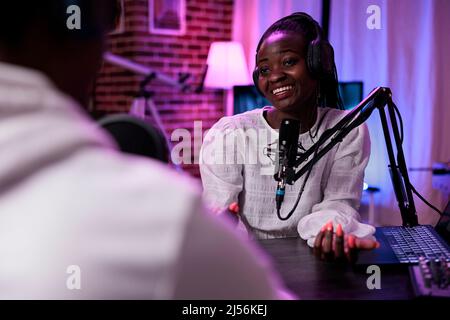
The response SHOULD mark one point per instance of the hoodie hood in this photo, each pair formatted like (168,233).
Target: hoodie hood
(39,125)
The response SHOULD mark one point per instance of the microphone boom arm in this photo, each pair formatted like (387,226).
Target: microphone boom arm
(377,99)
(340,129)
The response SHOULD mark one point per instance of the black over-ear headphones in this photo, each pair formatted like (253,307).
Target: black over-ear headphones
(320,53)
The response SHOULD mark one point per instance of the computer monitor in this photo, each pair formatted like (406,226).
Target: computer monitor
(247,98)
(351,93)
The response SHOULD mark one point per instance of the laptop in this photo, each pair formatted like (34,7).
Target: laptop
(404,245)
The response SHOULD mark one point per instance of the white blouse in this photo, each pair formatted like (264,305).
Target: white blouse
(238,161)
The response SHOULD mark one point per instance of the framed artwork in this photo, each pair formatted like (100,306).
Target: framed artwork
(167,17)
(121,23)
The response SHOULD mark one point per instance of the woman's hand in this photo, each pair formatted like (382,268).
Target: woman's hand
(339,247)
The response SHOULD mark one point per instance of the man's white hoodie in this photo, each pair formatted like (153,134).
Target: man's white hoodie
(79,220)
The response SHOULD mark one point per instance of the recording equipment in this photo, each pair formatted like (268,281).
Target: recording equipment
(320,53)
(378,98)
(149,73)
(136,136)
(399,244)
(431,278)
(287,156)
(406,245)
(201,85)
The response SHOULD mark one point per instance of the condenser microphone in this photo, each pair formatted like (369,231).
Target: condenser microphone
(287,156)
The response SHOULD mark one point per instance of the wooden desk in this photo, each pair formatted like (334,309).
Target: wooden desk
(311,278)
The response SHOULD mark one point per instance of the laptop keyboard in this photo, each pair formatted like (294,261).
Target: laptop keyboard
(411,243)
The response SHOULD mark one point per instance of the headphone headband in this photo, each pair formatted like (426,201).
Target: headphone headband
(320,54)
(296,16)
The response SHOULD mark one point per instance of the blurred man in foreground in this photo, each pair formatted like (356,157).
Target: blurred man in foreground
(78,219)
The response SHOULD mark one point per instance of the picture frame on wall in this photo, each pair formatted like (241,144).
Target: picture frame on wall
(120,28)
(167,17)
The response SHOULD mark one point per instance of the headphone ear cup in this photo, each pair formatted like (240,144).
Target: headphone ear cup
(320,59)
(255,77)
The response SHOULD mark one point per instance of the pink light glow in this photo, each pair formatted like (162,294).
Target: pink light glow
(226,66)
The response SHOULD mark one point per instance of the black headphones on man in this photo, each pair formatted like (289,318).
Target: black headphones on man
(320,53)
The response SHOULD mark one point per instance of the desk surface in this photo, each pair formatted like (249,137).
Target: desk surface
(311,278)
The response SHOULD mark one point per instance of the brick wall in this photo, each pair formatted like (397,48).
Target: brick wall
(206,21)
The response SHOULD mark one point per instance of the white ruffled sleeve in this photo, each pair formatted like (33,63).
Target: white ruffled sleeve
(343,189)
(221,165)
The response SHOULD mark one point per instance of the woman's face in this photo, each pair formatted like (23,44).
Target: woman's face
(283,76)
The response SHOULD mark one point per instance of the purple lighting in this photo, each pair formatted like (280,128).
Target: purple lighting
(226,65)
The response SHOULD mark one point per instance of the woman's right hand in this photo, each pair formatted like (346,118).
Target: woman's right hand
(339,246)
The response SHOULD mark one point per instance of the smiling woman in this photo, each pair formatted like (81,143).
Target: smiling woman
(284,80)
(295,71)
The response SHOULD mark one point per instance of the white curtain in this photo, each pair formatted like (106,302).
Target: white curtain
(408,53)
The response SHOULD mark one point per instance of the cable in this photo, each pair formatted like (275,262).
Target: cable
(410,184)
(300,193)
(424,200)
(400,120)
(318,127)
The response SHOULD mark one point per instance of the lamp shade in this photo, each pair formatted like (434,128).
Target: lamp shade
(226,66)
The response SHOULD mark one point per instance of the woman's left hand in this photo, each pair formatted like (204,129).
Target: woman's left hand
(339,247)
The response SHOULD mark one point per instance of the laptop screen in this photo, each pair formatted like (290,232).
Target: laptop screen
(443,225)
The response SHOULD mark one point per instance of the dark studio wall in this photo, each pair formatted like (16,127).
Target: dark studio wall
(206,21)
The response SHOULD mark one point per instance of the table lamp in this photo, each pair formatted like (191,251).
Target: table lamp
(226,68)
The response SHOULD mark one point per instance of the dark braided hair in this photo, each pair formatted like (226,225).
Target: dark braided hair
(328,93)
